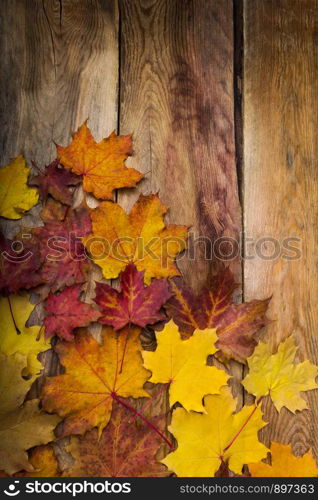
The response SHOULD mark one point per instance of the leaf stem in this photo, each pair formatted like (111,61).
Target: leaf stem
(12,315)
(125,347)
(150,424)
(244,425)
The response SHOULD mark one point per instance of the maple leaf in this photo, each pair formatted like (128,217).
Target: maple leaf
(66,312)
(15,195)
(183,364)
(276,375)
(43,461)
(15,337)
(219,435)
(136,303)
(17,424)
(285,464)
(13,388)
(20,430)
(102,164)
(95,376)
(56,181)
(64,262)
(19,265)
(236,324)
(140,237)
(126,448)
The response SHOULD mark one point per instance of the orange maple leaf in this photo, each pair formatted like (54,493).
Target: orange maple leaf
(95,375)
(140,237)
(100,163)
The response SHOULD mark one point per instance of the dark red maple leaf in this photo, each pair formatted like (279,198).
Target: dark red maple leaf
(136,303)
(56,181)
(66,312)
(236,324)
(19,264)
(61,251)
(126,448)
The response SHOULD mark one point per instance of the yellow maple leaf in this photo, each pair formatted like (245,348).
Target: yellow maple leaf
(140,237)
(95,376)
(15,337)
(43,461)
(285,464)
(100,163)
(18,424)
(20,430)
(15,195)
(276,375)
(13,387)
(205,441)
(183,364)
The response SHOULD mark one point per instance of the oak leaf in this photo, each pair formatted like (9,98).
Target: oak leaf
(102,164)
(65,312)
(136,303)
(183,364)
(219,435)
(56,181)
(140,237)
(236,324)
(20,430)
(276,375)
(15,195)
(126,448)
(285,464)
(94,375)
(15,311)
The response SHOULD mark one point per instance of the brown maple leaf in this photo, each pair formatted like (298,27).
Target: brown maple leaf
(136,303)
(65,312)
(56,181)
(102,164)
(126,448)
(236,324)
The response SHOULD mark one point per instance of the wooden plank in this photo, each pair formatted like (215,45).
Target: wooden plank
(59,67)
(281,183)
(177,99)
(176,96)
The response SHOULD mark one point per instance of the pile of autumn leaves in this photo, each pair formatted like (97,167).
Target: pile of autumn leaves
(101,400)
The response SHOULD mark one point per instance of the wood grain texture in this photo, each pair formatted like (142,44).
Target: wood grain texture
(177,99)
(281,183)
(176,96)
(59,67)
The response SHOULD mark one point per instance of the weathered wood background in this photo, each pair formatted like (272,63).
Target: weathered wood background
(222,99)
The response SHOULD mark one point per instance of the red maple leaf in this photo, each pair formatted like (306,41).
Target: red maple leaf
(19,265)
(126,448)
(136,303)
(236,324)
(62,253)
(66,312)
(56,181)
